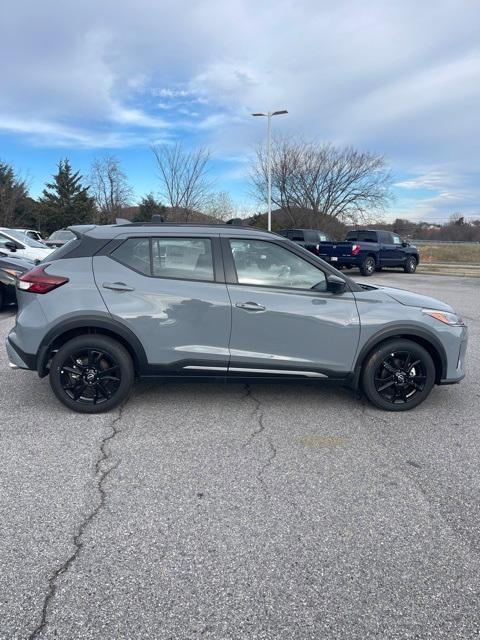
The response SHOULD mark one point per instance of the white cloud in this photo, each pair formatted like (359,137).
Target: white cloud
(395,77)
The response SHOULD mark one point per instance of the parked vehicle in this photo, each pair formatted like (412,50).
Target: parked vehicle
(31,233)
(16,242)
(59,238)
(10,268)
(370,251)
(130,300)
(308,238)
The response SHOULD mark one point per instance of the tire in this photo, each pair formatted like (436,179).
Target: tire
(368,266)
(398,375)
(410,265)
(92,374)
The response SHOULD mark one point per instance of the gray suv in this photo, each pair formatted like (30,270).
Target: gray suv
(144,300)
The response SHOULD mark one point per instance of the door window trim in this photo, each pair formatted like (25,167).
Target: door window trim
(217,264)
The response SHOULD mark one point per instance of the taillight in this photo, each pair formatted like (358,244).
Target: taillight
(355,249)
(37,281)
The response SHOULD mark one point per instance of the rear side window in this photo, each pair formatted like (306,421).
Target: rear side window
(297,236)
(184,258)
(311,236)
(134,253)
(362,236)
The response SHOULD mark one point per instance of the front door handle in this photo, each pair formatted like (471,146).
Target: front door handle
(250,306)
(117,286)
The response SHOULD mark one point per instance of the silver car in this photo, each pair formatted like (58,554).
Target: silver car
(145,300)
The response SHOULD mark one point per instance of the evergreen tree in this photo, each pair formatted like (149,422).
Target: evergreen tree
(148,207)
(13,197)
(65,201)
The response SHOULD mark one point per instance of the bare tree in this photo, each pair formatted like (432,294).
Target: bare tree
(342,183)
(183,176)
(220,206)
(110,188)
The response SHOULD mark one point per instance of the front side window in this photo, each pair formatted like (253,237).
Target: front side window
(184,258)
(397,239)
(262,263)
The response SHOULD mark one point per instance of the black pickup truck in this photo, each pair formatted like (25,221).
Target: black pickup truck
(308,238)
(370,251)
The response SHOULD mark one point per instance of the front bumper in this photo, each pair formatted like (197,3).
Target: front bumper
(454,376)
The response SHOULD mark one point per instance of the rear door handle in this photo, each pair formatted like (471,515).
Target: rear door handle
(117,286)
(250,306)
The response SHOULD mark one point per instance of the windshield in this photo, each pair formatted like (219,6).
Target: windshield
(22,237)
(62,235)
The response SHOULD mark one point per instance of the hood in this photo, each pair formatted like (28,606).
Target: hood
(410,299)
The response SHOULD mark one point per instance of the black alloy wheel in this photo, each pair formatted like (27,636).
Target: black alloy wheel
(398,375)
(91,374)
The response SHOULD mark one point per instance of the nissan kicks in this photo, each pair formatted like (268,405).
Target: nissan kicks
(120,302)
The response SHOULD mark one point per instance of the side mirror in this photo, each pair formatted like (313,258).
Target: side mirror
(335,284)
(405,243)
(11,246)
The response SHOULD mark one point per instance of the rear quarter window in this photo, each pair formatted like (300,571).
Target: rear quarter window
(134,253)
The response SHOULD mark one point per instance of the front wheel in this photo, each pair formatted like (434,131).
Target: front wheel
(398,375)
(410,265)
(91,374)
(367,268)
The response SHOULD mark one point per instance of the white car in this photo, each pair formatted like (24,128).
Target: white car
(16,242)
(31,233)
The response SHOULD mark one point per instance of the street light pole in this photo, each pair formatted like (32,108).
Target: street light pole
(269,116)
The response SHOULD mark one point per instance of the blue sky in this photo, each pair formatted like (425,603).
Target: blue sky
(398,77)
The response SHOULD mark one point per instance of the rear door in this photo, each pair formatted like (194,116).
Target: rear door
(171,292)
(280,324)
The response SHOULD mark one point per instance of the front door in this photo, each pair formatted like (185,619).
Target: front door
(284,320)
(167,291)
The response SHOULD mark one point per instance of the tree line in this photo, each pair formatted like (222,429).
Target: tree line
(313,185)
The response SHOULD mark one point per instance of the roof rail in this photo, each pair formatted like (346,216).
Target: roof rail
(191,224)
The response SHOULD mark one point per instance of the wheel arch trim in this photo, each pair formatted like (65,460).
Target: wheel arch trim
(423,337)
(91,324)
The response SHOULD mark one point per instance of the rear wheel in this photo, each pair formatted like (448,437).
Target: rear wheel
(410,265)
(398,375)
(367,268)
(91,374)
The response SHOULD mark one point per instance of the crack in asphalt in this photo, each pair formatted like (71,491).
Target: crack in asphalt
(259,413)
(101,476)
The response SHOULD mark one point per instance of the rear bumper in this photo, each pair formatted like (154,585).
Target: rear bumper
(336,261)
(18,359)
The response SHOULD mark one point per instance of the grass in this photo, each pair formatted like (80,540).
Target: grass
(455,253)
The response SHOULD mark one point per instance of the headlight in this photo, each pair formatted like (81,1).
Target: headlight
(451,319)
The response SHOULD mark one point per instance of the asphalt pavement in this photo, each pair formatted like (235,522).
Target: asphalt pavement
(226,511)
